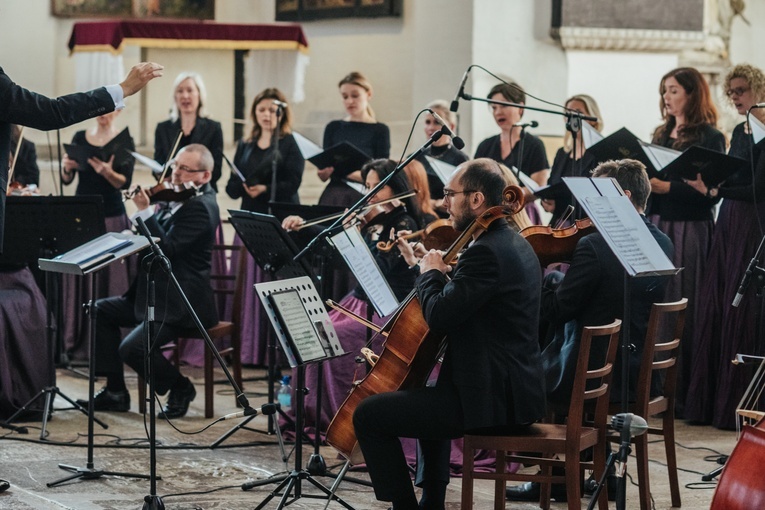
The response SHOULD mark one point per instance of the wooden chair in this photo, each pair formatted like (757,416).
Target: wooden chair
(226,285)
(550,439)
(665,328)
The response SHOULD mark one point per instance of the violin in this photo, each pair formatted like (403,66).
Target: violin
(369,217)
(165,191)
(556,244)
(437,235)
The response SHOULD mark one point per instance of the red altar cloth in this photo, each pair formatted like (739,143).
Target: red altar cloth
(111,35)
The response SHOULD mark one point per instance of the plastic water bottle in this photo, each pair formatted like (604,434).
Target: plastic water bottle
(285,393)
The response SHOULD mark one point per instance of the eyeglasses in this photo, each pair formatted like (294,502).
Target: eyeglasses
(739,91)
(448,193)
(183,168)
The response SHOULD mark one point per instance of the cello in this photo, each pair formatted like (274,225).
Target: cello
(411,349)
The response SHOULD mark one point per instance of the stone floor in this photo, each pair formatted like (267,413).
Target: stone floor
(196,477)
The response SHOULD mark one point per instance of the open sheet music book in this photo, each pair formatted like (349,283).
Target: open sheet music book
(618,145)
(153,165)
(344,156)
(621,226)
(549,191)
(300,320)
(713,166)
(590,135)
(95,254)
(356,253)
(119,147)
(758,129)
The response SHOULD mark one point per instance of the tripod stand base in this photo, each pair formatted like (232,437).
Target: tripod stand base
(89,473)
(715,472)
(289,482)
(153,503)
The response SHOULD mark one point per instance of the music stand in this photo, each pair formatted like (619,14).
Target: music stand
(307,336)
(87,260)
(44,227)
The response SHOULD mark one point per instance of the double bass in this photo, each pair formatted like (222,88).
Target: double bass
(411,349)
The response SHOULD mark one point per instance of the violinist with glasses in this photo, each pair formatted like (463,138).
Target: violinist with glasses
(187,232)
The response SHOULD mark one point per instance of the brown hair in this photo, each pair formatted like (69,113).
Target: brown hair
(285,121)
(418,179)
(699,112)
(512,92)
(358,79)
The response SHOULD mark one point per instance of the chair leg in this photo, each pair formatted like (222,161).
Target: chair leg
(545,487)
(573,481)
(209,383)
(644,484)
(599,464)
(467,474)
(669,448)
(499,485)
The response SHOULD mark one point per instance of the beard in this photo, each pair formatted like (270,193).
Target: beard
(462,221)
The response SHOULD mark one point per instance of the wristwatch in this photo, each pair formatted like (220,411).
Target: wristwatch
(712,192)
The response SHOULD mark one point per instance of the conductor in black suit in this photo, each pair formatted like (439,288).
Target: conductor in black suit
(491,378)
(26,108)
(187,233)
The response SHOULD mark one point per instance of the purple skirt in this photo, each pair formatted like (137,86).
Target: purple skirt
(692,241)
(26,361)
(716,385)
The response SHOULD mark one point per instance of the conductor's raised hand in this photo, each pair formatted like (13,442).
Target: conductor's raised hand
(139,76)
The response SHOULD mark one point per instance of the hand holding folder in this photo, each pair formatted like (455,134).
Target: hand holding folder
(119,147)
(714,167)
(344,156)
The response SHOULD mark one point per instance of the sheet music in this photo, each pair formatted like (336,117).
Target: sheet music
(527,181)
(590,135)
(619,222)
(442,169)
(356,253)
(307,148)
(155,167)
(298,325)
(758,128)
(357,186)
(109,244)
(659,156)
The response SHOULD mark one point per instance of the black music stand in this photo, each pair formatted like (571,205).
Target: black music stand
(307,336)
(44,227)
(87,260)
(272,249)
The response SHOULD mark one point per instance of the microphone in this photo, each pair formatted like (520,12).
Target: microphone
(745,281)
(758,105)
(445,129)
(265,409)
(278,103)
(525,125)
(461,92)
(629,425)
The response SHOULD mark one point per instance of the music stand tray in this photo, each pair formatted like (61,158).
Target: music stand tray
(88,259)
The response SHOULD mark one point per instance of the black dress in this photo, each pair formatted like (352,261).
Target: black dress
(532,160)
(206,132)
(256,164)
(564,166)
(373,139)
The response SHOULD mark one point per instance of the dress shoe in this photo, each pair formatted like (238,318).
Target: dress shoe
(106,400)
(4,485)
(529,491)
(178,402)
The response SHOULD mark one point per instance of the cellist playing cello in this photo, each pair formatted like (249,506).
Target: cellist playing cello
(491,379)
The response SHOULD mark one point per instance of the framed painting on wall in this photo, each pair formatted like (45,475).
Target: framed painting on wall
(172,9)
(308,10)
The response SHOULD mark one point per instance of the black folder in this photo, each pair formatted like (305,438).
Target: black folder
(620,145)
(552,191)
(120,146)
(714,167)
(344,157)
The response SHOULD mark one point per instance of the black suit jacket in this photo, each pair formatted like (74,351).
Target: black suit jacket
(24,107)
(489,312)
(206,132)
(592,294)
(186,238)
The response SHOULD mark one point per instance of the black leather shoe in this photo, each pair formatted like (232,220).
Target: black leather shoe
(106,400)
(178,402)
(591,484)
(529,491)
(4,485)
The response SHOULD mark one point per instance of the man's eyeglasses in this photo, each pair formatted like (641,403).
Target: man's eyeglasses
(739,91)
(183,168)
(449,193)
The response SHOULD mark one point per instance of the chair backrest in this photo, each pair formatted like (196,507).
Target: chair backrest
(665,328)
(227,279)
(592,381)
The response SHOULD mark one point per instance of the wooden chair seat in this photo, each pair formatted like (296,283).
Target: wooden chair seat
(549,441)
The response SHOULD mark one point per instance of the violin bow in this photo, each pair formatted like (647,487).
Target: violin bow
(172,155)
(15,155)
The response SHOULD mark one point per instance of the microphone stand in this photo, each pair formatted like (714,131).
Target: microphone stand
(156,260)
